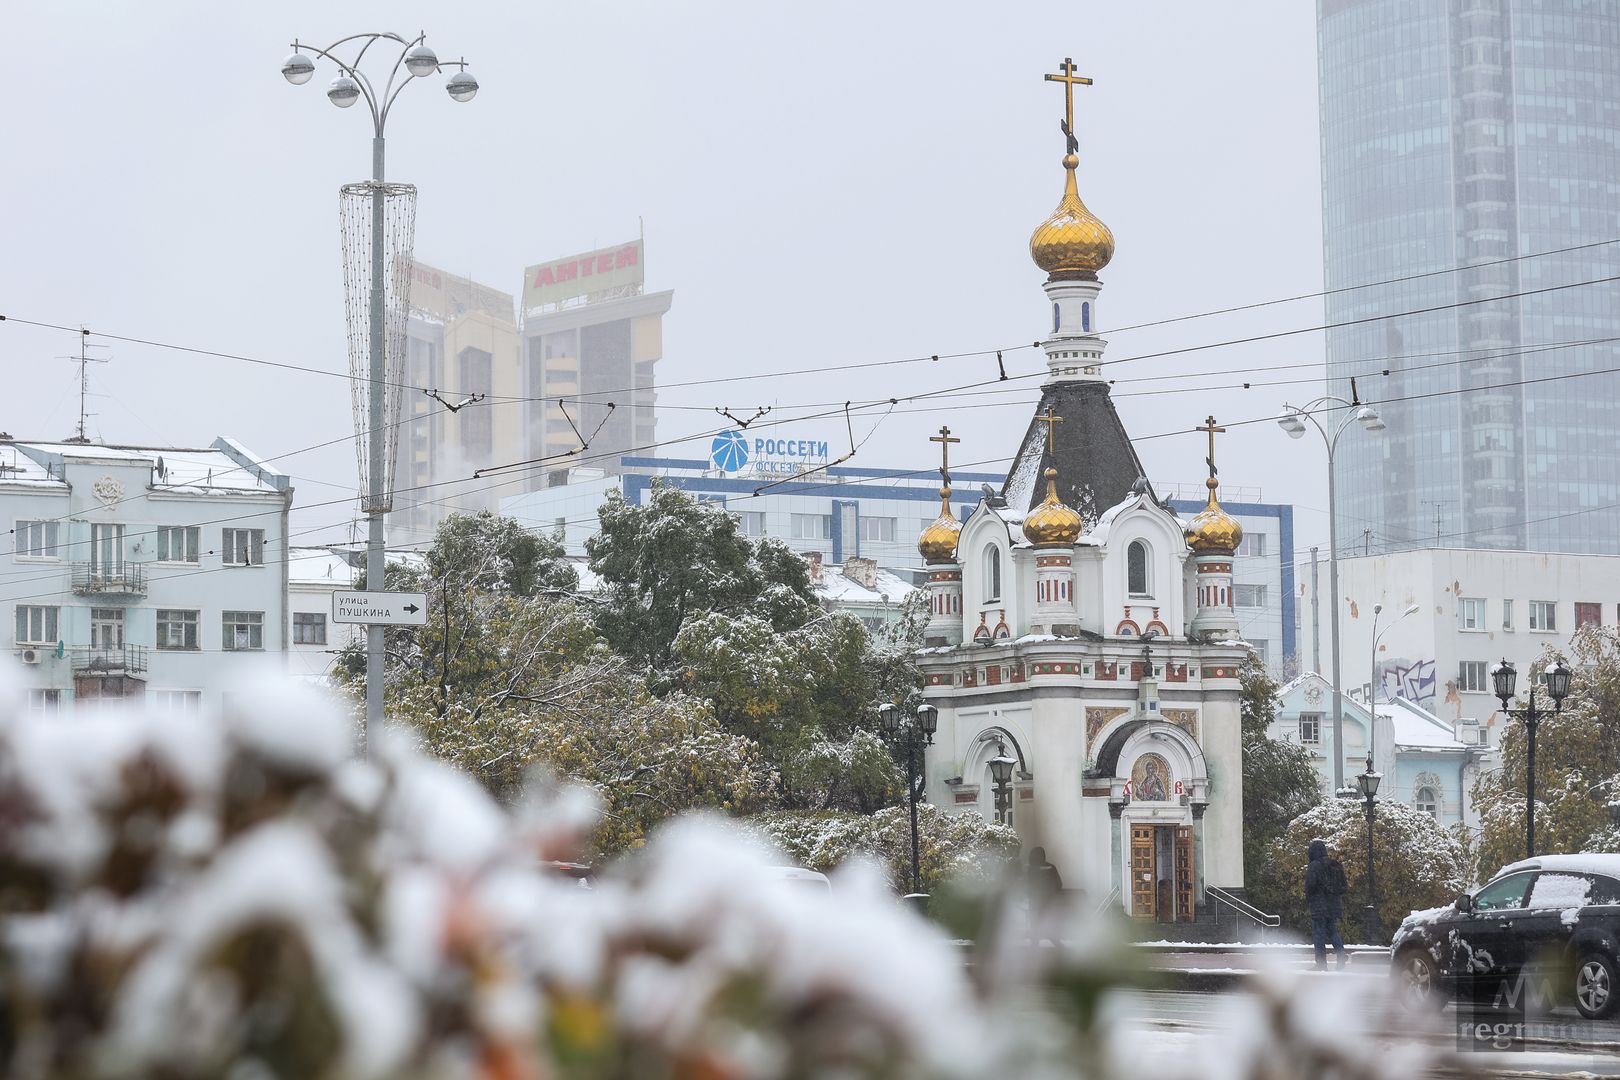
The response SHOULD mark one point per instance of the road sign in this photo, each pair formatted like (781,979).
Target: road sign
(385,608)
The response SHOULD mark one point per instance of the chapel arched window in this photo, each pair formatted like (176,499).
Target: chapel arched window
(1136,569)
(992,573)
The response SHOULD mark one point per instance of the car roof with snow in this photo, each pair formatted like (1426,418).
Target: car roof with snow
(1593,863)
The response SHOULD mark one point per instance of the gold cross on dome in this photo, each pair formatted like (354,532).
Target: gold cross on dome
(944,439)
(1066,75)
(1049,420)
(1210,428)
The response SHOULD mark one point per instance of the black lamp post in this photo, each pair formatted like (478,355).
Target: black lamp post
(1503,680)
(918,733)
(1368,783)
(1001,770)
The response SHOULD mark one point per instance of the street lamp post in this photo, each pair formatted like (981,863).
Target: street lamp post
(1372,686)
(1368,783)
(1293,422)
(416,60)
(917,733)
(1503,679)
(1001,771)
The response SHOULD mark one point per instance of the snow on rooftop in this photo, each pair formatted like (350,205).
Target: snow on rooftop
(318,566)
(200,470)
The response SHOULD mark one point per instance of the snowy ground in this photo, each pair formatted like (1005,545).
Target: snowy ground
(1177,1023)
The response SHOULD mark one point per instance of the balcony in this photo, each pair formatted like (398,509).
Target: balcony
(90,661)
(109,579)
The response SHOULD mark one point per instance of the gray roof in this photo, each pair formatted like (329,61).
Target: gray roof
(1096,463)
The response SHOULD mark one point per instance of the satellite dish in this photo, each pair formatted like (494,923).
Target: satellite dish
(162,470)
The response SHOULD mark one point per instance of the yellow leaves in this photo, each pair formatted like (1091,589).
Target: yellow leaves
(580,1024)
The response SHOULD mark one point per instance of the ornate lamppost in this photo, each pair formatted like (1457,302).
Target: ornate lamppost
(416,60)
(916,733)
(1001,771)
(1367,782)
(1504,678)
(1293,422)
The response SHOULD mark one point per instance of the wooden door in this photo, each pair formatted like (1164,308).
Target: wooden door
(1142,893)
(1184,873)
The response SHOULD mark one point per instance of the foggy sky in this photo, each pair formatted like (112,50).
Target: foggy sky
(820,185)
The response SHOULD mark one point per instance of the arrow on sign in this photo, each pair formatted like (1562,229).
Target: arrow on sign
(412,608)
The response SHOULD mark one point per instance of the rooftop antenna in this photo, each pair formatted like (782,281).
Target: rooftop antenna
(84,361)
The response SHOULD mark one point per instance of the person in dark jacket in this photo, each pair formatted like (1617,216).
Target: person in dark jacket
(1324,893)
(1044,881)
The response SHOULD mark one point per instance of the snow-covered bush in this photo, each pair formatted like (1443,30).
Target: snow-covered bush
(199,897)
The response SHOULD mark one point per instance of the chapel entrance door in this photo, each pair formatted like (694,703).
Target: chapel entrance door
(1162,873)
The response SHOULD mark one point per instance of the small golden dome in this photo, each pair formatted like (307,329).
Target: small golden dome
(938,540)
(1073,242)
(1212,529)
(1052,522)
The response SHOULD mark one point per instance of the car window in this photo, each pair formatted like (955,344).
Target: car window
(1605,891)
(1506,892)
(1559,892)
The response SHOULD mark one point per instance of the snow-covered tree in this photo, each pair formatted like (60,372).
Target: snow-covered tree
(1279,784)
(1417,863)
(1577,761)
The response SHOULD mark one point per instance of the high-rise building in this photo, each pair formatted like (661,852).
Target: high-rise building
(1470,185)
(461,340)
(591,340)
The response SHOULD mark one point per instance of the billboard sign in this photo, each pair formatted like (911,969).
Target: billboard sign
(735,453)
(610,269)
(448,296)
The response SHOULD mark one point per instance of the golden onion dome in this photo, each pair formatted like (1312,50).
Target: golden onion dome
(1212,529)
(938,541)
(1052,522)
(1073,242)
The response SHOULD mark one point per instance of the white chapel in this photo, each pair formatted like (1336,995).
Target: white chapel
(1080,628)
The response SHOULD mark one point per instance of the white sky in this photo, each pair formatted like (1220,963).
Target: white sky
(820,184)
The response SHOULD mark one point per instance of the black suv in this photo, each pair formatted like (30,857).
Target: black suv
(1554,918)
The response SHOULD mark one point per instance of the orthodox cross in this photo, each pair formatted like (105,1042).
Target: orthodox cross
(1049,420)
(944,439)
(1066,75)
(1210,428)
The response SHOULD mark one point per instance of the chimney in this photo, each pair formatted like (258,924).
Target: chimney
(861,571)
(814,559)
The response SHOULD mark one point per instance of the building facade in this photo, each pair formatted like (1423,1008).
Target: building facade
(1474,608)
(154,575)
(1428,763)
(1081,629)
(1480,136)
(592,339)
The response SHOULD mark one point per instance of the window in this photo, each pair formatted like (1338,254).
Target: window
(177,629)
(1136,568)
(185,702)
(1261,647)
(1506,893)
(1249,595)
(243,631)
(178,543)
(36,625)
(1544,615)
(309,628)
(559,528)
(1588,615)
(38,539)
(44,702)
(1560,892)
(750,522)
(1471,676)
(1310,728)
(1470,613)
(992,573)
(1427,802)
(811,526)
(880,529)
(1253,545)
(243,547)
(1507,615)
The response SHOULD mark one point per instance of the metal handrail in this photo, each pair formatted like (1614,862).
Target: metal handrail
(1108,901)
(109,577)
(108,659)
(1242,906)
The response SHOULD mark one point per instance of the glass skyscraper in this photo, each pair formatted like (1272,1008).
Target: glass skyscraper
(1481,135)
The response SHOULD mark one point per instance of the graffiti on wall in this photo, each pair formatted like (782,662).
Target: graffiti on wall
(1413,680)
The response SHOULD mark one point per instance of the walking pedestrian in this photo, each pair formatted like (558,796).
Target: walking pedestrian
(1325,887)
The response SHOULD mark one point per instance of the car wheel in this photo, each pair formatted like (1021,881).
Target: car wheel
(1597,984)
(1419,978)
